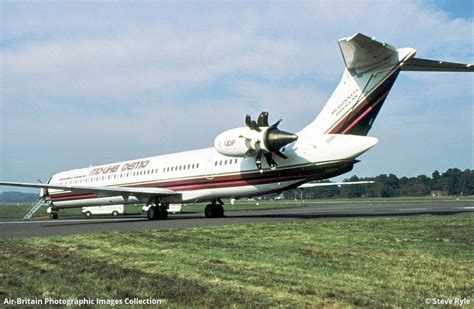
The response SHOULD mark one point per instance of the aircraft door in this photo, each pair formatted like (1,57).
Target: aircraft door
(210,168)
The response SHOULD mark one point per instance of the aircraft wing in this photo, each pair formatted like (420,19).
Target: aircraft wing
(327,184)
(425,65)
(98,190)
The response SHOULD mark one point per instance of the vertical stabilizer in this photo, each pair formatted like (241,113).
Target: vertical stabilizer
(371,70)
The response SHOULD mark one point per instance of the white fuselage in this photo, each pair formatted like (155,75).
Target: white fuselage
(204,174)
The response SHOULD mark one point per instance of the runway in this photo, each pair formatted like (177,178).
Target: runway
(316,211)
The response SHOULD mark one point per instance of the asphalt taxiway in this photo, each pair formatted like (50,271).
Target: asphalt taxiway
(316,211)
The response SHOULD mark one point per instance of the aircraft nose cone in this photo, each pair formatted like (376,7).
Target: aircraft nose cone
(276,139)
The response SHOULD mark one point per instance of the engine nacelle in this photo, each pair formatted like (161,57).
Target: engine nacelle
(257,139)
(241,142)
(236,142)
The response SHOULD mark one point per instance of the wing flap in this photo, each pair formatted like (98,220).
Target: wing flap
(426,65)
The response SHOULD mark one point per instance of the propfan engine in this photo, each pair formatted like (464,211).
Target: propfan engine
(257,139)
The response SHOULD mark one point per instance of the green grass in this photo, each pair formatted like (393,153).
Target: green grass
(361,262)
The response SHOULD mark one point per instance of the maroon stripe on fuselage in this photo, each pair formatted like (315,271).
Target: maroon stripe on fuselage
(72,197)
(69,194)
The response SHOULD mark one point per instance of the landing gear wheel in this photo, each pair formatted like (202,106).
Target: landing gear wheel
(157,213)
(214,211)
(53,215)
(162,214)
(209,211)
(219,211)
(151,213)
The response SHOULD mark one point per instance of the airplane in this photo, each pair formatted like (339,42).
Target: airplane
(257,158)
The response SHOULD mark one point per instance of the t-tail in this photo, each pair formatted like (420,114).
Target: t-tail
(371,70)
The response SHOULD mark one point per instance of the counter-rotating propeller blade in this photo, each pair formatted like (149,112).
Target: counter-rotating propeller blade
(251,124)
(272,138)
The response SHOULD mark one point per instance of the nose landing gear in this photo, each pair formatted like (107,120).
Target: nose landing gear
(53,215)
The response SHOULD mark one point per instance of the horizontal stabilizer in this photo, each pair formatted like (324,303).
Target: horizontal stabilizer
(360,51)
(425,65)
(327,184)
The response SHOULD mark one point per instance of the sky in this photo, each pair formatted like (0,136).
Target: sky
(93,82)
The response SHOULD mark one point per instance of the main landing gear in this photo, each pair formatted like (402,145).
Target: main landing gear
(157,211)
(214,210)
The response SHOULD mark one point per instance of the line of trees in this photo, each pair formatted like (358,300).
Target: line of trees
(452,182)
(17,197)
